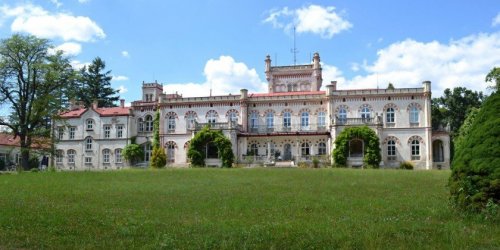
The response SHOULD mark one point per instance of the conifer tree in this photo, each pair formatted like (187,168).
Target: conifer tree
(95,85)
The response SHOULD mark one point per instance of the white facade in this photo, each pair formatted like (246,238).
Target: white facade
(294,121)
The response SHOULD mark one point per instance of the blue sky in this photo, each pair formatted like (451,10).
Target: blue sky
(192,46)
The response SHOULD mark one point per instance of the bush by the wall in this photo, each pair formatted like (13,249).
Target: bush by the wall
(196,151)
(475,177)
(406,165)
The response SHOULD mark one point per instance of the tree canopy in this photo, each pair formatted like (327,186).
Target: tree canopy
(494,77)
(32,83)
(95,85)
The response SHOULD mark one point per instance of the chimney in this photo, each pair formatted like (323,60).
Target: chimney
(95,104)
(122,103)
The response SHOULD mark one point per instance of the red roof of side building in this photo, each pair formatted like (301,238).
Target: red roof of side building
(114,111)
(287,93)
(36,142)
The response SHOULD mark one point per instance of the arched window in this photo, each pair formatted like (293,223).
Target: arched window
(321,148)
(90,124)
(147,151)
(106,156)
(304,149)
(287,120)
(342,116)
(149,123)
(304,121)
(414,115)
(389,115)
(190,119)
(321,119)
(71,156)
(211,117)
(59,156)
(118,155)
(254,121)
(88,144)
(270,120)
(391,150)
(365,113)
(273,149)
(171,123)
(170,152)
(415,150)
(140,125)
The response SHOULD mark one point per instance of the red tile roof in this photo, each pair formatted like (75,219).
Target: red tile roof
(287,93)
(8,140)
(101,111)
(37,142)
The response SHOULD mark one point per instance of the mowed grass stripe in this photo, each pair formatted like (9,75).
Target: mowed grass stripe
(235,208)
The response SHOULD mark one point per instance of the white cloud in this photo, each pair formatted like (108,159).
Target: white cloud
(224,76)
(69,48)
(78,65)
(56,3)
(319,20)
(496,20)
(120,78)
(122,90)
(39,22)
(125,54)
(463,62)
(83,1)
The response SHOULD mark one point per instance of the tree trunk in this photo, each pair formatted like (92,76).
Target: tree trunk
(25,153)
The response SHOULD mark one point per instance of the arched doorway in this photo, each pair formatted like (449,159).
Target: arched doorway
(356,148)
(437,151)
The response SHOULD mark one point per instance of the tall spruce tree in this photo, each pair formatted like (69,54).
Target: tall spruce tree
(95,85)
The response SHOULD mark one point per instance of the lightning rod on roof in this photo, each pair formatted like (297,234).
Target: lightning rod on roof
(294,50)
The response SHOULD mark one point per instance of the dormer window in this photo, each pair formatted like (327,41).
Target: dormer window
(90,124)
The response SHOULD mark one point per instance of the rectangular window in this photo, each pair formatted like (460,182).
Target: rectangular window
(88,160)
(72,131)
(321,119)
(59,156)
(119,131)
(118,156)
(105,157)
(60,133)
(107,131)
(391,151)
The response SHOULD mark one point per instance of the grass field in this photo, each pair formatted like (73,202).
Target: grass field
(236,209)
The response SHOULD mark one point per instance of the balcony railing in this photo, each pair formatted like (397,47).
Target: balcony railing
(264,129)
(357,121)
(215,125)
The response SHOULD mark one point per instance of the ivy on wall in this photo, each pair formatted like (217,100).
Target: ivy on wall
(371,147)
(196,151)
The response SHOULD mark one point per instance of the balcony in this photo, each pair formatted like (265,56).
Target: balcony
(357,121)
(215,126)
(264,129)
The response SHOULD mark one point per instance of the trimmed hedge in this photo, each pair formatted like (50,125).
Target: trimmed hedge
(371,148)
(224,147)
(475,178)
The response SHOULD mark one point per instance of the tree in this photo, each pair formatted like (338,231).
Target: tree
(95,85)
(390,86)
(465,129)
(132,153)
(30,81)
(494,77)
(475,178)
(158,157)
(453,106)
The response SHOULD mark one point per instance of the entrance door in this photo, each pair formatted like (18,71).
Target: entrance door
(287,154)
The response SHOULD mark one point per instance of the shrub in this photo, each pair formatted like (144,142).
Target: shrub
(158,158)
(372,156)
(196,152)
(303,164)
(406,165)
(132,153)
(315,162)
(475,177)
(34,170)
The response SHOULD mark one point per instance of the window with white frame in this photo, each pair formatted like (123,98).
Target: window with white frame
(107,131)
(365,113)
(415,150)
(414,115)
(190,120)
(211,117)
(59,156)
(119,131)
(88,144)
(287,120)
(72,131)
(140,125)
(254,149)
(233,117)
(90,124)
(321,148)
(171,153)
(88,160)
(391,150)
(321,119)
(71,156)
(106,156)
(148,120)
(342,115)
(171,123)
(305,149)
(60,133)
(270,120)
(254,121)
(389,115)
(304,120)
(118,155)
(147,151)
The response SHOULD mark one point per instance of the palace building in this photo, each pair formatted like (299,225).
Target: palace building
(293,122)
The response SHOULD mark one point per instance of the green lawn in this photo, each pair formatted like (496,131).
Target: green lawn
(236,208)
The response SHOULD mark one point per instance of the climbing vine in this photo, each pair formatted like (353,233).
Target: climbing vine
(371,148)
(158,156)
(196,151)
